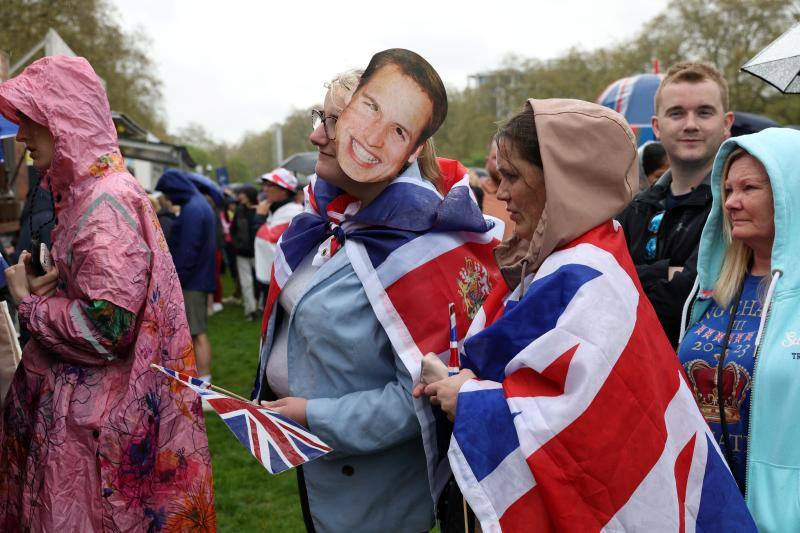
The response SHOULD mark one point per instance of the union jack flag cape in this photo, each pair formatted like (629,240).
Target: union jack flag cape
(414,251)
(276,441)
(582,419)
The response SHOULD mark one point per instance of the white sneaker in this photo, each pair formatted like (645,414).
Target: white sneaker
(217,307)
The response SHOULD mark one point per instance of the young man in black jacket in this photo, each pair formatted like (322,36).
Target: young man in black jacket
(663,224)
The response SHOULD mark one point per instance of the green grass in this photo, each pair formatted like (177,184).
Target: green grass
(248,498)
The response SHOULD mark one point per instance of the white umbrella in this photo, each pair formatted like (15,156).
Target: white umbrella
(779,63)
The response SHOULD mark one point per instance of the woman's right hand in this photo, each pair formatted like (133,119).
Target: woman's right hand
(444,393)
(40,285)
(17,281)
(433,370)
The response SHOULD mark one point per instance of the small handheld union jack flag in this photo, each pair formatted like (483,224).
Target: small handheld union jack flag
(276,441)
(455,362)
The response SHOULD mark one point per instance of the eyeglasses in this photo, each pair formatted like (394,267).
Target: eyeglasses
(328,122)
(651,245)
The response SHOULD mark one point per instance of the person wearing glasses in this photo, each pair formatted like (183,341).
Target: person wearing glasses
(327,360)
(663,223)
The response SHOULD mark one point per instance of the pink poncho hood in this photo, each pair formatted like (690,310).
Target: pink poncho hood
(65,95)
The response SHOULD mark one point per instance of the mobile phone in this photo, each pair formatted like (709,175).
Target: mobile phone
(41,262)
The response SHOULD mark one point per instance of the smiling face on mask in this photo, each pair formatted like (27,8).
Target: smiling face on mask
(378,132)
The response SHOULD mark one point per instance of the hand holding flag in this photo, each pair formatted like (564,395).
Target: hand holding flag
(276,441)
(442,383)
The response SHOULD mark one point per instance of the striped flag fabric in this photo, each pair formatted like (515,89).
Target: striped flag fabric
(582,419)
(414,251)
(277,442)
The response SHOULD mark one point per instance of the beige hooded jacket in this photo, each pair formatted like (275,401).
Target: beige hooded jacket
(582,419)
(591,172)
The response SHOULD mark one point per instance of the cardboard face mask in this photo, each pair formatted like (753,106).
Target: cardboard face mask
(378,132)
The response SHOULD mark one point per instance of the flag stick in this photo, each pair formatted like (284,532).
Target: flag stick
(454,359)
(454,367)
(229,393)
(214,388)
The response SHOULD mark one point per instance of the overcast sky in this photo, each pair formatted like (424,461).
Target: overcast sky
(240,66)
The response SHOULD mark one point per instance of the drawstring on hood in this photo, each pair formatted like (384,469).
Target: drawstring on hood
(588,152)
(523,268)
(686,306)
(776,274)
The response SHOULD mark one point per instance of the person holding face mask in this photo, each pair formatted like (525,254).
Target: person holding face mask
(360,283)
(739,350)
(581,411)
(91,438)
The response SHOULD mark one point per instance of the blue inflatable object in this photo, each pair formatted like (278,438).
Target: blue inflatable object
(634,98)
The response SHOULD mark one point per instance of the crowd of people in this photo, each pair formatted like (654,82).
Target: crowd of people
(613,306)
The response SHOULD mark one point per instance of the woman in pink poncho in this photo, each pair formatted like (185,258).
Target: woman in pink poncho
(92,439)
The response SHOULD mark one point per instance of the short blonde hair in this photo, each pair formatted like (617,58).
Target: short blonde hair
(692,72)
(342,87)
(738,256)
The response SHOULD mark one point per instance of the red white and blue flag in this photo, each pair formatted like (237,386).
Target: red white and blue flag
(633,98)
(414,252)
(582,419)
(276,441)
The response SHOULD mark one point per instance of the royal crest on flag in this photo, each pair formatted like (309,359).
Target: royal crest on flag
(276,441)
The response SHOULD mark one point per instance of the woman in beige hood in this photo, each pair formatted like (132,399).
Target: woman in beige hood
(580,419)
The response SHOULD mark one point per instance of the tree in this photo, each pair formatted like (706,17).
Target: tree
(296,129)
(724,32)
(91,29)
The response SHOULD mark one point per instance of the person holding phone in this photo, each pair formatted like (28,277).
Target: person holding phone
(91,438)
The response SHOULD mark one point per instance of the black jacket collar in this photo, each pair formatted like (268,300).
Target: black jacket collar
(657,194)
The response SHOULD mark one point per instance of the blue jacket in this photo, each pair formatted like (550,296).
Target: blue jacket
(359,403)
(192,238)
(773,460)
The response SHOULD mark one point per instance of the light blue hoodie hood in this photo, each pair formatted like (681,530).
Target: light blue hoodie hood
(778,149)
(773,463)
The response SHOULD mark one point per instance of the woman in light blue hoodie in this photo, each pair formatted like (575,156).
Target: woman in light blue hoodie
(746,306)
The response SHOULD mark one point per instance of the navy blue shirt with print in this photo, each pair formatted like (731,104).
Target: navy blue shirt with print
(699,353)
